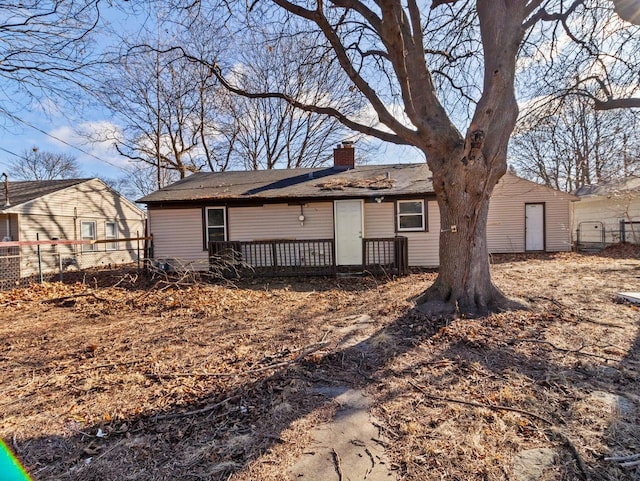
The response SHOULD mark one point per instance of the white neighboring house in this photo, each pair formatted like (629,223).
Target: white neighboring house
(70,209)
(608,212)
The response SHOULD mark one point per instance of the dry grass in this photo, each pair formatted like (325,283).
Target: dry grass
(207,382)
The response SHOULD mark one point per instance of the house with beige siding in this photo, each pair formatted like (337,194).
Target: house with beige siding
(358,212)
(66,210)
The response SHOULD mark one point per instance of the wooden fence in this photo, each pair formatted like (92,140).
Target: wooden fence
(387,256)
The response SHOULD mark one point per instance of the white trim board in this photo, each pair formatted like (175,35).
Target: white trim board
(633,297)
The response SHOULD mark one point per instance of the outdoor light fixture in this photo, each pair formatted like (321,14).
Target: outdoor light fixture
(301,216)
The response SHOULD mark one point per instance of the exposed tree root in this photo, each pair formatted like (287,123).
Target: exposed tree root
(555,433)
(440,301)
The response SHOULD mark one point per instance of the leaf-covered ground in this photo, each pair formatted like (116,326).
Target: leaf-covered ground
(144,382)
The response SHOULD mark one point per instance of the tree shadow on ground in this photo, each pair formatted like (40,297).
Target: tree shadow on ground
(228,429)
(218,433)
(566,389)
(496,259)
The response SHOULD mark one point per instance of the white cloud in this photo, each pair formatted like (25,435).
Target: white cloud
(368,116)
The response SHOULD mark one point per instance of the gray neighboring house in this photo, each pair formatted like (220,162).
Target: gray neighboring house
(349,205)
(72,209)
(608,212)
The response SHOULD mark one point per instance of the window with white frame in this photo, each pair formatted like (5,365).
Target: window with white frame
(411,215)
(111,233)
(88,232)
(216,224)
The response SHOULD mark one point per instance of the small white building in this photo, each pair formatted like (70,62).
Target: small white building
(352,207)
(608,212)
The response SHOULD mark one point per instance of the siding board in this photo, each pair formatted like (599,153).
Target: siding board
(506,218)
(424,246)
(280,221)
(177,234)
(378,220)
(610,211)
(58,215)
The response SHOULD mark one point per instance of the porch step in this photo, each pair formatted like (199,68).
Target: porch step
(350,271)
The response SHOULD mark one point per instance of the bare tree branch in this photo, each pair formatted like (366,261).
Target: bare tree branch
(403,135)
(612,103)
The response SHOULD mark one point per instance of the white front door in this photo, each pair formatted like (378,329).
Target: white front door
(348,226)
(534,227)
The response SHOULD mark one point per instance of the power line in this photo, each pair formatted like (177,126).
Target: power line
(9,152)
(28,124)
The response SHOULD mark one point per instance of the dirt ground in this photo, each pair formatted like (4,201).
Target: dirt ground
(114,378)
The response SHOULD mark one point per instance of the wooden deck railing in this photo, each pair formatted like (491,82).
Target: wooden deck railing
(285,257)
(276,257)
(386,255)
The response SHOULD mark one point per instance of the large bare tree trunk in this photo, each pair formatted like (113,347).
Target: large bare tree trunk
(464,282)
(465,171)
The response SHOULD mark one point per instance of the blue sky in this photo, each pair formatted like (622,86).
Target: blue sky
(58,132)
(53,124)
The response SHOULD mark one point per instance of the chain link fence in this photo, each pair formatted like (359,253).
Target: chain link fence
(596,235)
(22,263)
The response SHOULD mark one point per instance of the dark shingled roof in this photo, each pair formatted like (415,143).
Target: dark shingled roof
(617,186)
(24,191)
(321,183)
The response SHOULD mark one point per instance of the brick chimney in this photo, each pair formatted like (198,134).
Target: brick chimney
(344,156)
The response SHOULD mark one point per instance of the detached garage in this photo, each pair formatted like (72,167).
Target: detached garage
(528,217)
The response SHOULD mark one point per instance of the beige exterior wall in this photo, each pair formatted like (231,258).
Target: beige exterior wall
(59,215)
(9,256)
(178,233)
(379,221)
(178,236)
(423,246)
(610,211)
(506,220)
(9,227)
(280,221)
